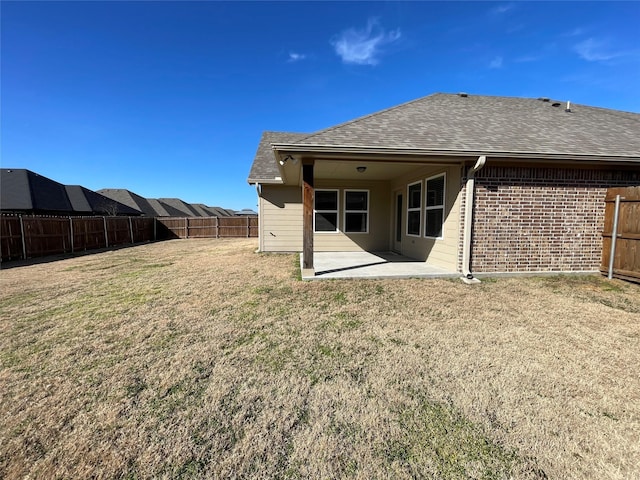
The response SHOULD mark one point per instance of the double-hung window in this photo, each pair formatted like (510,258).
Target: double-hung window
(434,206)
(414,197)
(356,211)
(326,211)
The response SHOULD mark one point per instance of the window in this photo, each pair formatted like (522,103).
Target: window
(414,197)
(356,211)
(326,211)
(434,207)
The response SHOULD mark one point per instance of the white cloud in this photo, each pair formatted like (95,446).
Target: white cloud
(576,32)
(496,63)
(593,50)
(501,9)
(362,47)
(296,57)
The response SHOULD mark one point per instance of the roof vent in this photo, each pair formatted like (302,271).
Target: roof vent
(555,104)
(544,99)
(463,94)
(568,109)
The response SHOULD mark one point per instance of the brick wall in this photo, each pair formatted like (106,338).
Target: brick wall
(541,219)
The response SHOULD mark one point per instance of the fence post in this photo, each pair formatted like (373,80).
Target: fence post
(614,236)
(248,227)
(217,227)
(131,229)
(24,243)
(106,234)
(155,229)
(71,231)
(186,227)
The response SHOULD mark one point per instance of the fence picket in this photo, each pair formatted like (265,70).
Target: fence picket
(624,260)
(25,237)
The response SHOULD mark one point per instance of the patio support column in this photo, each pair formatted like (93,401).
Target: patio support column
(307,218)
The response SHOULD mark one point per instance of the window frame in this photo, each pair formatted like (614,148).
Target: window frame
(345,212)
(435,207)
(411,209)
(336,211)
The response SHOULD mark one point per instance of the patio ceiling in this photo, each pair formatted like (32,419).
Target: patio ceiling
(347,169)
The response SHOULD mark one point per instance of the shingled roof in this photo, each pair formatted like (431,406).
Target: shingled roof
(88,202)
(130,199)
(185,209)
(264,166)
(23,191)
(472,124)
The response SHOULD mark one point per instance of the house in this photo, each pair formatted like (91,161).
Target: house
(246,212)
(25,192)
(134,200)
(463,182)
(163,207)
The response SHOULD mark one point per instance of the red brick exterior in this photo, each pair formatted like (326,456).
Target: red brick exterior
(530,219)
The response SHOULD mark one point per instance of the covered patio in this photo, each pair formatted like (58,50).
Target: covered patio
(372,265)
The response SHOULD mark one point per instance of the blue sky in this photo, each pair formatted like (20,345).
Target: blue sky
(169,99)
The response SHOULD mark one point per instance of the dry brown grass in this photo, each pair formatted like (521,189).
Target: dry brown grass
(202,359)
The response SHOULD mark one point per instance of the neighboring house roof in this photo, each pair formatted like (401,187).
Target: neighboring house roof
(87,201)
(24,190)
(130,199)
(219,211)
(264,167)
(202,210)
(163,210)
(455,124)
(246,211)
(181,206)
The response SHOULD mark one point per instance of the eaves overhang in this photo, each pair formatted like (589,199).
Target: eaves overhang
(274,181)
(398,153)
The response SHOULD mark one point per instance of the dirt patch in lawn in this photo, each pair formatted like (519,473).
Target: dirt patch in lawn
(201,358)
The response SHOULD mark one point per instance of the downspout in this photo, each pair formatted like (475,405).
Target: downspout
(468,221)
(260,225)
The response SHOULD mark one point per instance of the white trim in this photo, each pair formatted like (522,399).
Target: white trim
(414,209)
(336,211)
(435,207)
(366,212)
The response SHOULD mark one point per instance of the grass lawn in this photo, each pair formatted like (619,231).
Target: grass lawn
(203,359)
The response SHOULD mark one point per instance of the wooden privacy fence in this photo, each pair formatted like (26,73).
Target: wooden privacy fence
(24,237)
(32,236)
(624,243)
(207,227)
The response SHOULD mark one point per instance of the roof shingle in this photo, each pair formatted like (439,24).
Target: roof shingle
(458,124)
(491,124)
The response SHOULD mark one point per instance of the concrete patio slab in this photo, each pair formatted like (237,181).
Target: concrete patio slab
(372,265)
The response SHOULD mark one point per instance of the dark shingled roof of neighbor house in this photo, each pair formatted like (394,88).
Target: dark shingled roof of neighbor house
(475,124)
(130,199)
(181,206)
(87,201)
(24,190)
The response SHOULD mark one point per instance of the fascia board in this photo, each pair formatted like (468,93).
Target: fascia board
(364,150)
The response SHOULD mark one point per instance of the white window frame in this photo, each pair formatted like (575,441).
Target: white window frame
(414,209)
(435,207)
(366,212)
(336,211)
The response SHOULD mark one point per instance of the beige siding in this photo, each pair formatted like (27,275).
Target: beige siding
(377,239)
(438,252)
(280,219)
